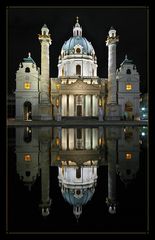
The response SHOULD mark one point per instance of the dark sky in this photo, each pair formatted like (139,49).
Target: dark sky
(25,23)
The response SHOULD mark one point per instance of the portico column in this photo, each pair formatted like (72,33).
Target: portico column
(91,105)
(74,105)
(67,105)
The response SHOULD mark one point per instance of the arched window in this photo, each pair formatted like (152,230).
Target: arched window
(128,71)
(27,111)
(128,171)
(27,173)
(27,69)
(78,70)
(78,172)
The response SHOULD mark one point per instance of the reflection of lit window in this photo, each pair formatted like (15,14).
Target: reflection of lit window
(100,102)
(128,87)
(57,102)
(27,157)
(100,141)
(27,85)
(57,141)
(128,156)
(143,108)
(62,170)
(143,133)
(58,157)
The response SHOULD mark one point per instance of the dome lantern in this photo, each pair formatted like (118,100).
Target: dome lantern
(77,30)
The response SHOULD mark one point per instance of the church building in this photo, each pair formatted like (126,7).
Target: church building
(77,92)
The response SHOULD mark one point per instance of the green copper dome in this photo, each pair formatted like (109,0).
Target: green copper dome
(68,46)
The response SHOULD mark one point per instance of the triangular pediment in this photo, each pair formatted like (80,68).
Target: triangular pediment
(79,84)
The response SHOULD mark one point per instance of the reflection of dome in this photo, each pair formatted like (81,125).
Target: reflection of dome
(73,199)
(69,45)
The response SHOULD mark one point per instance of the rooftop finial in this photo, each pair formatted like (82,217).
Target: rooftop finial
(77,19)
(29,54)
(126,57)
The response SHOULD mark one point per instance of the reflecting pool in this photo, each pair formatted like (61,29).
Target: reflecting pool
(77,179)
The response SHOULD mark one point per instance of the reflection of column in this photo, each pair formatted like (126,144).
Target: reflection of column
(91,138)
(67,139)
(71,138)
(45,180)
(74,138)
(111,200)
(64,138)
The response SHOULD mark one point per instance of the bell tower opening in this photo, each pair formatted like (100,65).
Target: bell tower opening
(27,111)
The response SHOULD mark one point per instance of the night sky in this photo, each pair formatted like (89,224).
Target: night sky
(25,23)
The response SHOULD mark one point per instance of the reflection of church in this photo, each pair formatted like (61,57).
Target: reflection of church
(77,153)
(77,91)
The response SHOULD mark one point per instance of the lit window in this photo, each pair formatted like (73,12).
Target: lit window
(58,86)
(27,85)
(27,157)
(128,156)
(128,87)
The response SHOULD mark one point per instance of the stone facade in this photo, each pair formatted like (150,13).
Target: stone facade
(77,91)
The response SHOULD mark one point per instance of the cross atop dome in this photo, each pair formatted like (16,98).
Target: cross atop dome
(77,19)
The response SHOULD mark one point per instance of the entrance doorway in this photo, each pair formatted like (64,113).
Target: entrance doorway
(129,111)
(79,110)
(27,111)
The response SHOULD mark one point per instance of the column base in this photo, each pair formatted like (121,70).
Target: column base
(45,111)
(113,112)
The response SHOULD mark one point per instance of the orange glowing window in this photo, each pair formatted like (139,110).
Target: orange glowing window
(100,102)
(57,141)
(27,157)
(58,157)
(57,102)
(27,85)
(58,86)
(128,87)
(128,156)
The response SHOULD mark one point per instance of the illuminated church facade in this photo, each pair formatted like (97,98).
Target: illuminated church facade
(77,92)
